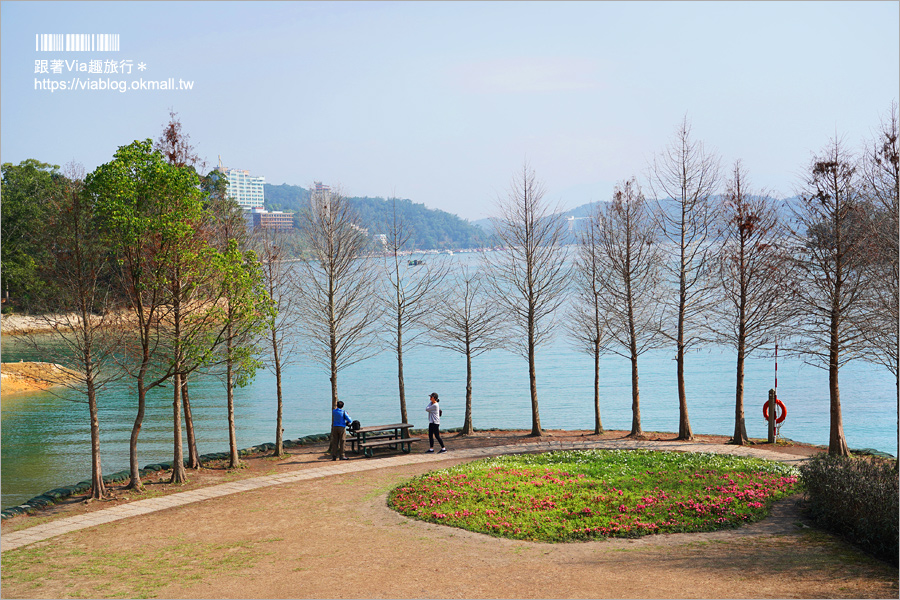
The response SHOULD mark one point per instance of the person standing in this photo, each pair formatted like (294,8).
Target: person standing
(434,422)
(339,420)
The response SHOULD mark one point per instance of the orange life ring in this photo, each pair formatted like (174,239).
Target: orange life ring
(778,404)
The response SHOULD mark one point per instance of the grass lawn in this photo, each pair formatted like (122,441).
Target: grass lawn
(578,495)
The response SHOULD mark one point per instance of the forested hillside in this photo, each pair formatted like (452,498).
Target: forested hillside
(429,228)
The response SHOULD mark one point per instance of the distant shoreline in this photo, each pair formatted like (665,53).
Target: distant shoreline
(23,324)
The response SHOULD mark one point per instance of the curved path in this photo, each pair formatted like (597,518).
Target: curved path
(61,526)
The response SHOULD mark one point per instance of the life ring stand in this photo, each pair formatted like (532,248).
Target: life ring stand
(778,404)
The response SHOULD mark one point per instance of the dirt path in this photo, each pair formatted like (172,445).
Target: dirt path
(335,537)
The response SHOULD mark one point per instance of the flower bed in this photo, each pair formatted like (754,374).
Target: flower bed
(567,496)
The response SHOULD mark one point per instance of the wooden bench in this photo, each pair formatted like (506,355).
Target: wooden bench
(354,440)
(405,444)
(395,435)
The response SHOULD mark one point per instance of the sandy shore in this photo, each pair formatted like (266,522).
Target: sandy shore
(32,376)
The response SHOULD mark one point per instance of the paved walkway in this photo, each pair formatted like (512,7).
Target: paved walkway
(23,537)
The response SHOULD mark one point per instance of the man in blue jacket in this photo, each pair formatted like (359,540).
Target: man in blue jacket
(339,420)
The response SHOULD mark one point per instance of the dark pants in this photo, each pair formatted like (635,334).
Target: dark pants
(337,442)
(434,432)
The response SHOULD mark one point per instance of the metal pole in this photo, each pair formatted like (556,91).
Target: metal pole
(772,398)
(776,369)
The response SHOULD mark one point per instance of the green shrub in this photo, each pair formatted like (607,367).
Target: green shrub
(857,499)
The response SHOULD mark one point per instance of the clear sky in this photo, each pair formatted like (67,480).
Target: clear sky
(442,102)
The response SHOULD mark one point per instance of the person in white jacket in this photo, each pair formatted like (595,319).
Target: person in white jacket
(434,422)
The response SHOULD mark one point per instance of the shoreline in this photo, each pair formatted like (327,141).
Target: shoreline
(18,324)
(256,458)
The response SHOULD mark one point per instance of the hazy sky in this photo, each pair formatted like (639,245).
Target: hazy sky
(442,102)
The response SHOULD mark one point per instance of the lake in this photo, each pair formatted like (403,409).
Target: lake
(45,439)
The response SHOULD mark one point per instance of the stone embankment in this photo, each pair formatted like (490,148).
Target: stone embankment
(56,495)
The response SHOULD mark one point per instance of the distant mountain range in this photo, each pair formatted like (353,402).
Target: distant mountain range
(430,229)
(578,212)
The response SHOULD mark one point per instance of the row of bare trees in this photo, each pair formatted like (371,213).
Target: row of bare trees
(737,269)
(698,265)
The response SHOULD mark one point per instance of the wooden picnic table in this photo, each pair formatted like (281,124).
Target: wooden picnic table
(394,435)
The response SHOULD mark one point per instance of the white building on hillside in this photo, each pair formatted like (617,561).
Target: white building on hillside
(248,191)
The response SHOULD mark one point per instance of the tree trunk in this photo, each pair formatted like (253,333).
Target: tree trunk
(402,386)
(740,429)
(598,424)
(279,426)
(837,443)
(334,364)
(98,489)
(467,428)
(684,424)
(636,430)
(532,380)
(234,461)
(178,473)
(193,455)
(135,483)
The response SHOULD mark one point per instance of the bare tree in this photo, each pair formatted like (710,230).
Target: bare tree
(630,286)
(529,277)
(81,308)
(336,299)
(408,294)
(833,271)
(587,319)
(279,281)
(467,322)
(881,170)
(684,178)
(176,147)
(246,311)
(755,274)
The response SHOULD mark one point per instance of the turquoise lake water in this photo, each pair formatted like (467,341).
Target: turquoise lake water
(45,441)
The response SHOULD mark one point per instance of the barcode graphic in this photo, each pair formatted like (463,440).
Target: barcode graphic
(76,42)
